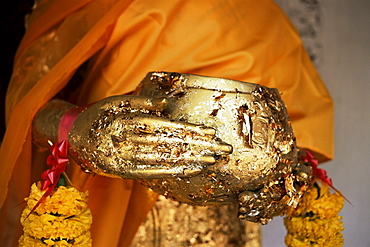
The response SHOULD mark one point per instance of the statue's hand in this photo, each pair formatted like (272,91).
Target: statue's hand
(276,197)
(128,137)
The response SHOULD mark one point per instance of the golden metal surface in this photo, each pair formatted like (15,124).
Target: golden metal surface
(259,173)
(46,122)
(198,140)
(171,223)
(127,137)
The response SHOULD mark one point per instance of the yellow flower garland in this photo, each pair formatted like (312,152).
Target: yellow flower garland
(316,222)
(63,219)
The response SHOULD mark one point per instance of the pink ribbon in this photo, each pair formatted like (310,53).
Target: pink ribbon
(317,172)
(320,173)
(66,122)
(57,160)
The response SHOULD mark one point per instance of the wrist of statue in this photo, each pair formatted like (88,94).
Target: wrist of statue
(54,121)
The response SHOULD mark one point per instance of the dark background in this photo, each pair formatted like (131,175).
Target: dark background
(12,14)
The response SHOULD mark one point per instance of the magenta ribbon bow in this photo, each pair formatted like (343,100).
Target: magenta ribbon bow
(320,173)
(317,172)
(57,161)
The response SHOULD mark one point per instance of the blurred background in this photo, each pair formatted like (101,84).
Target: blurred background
(12,14)
(336,34)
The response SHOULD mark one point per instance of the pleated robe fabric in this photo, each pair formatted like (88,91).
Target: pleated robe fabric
(119,41)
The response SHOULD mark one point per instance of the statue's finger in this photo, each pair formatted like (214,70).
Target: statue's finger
(165,125)
(162,171)
(159,142)
(133,102)
(174,159)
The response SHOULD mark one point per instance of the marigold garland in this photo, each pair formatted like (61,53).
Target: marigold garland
(62,219)
(316,222)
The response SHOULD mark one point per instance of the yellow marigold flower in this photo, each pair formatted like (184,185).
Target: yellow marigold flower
(294,241)
(62,219)
(52,226)
(315,228)
(320,202)
(26,240)
(81,241)
(64,201)
(316,222)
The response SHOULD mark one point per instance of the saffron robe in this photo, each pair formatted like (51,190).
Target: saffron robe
(118,42)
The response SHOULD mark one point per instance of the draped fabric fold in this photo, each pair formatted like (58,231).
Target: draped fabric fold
(122,40)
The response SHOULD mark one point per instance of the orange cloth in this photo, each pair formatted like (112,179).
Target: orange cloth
(243,40)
